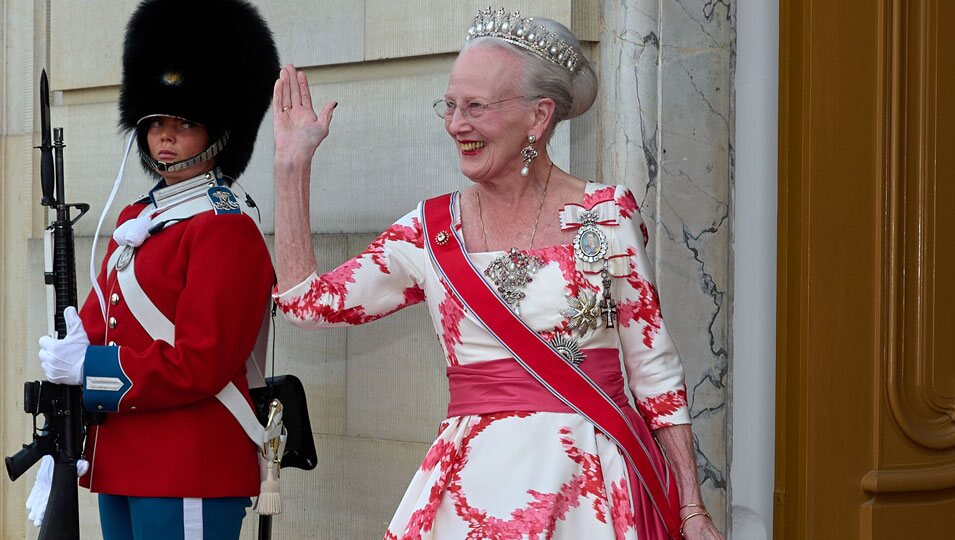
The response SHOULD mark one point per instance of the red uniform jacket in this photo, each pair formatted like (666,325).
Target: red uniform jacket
(165,434)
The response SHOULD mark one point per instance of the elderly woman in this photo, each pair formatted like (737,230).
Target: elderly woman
(537,283)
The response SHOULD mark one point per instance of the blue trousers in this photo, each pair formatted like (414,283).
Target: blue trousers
(167,518)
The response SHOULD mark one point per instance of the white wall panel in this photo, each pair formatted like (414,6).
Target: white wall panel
(86,42)
(87,36)
(397,387)
(754,308)
(18,20)
(309,33)
(318,358)
(417,27)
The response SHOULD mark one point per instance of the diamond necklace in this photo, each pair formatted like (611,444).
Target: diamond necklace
(512,271)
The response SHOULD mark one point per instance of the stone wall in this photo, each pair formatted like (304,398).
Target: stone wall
(667,102)
(663,125)
(20,22)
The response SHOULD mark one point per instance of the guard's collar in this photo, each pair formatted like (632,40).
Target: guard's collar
(163,196)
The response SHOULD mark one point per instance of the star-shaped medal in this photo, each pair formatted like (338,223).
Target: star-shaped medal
(568,348)
(582,311)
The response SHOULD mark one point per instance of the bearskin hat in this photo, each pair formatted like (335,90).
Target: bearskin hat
(212,62)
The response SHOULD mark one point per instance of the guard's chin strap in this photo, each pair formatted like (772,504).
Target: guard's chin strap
(201,157)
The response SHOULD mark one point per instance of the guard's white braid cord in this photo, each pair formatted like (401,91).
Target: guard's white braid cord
(99,225)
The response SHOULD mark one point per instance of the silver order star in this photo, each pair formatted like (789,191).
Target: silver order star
(568,348)
(583,312)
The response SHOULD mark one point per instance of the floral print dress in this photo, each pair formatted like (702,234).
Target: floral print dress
(516,474)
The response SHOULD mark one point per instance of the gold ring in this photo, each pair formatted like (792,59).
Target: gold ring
(285,109)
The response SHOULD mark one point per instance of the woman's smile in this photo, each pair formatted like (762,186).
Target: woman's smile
(471,148)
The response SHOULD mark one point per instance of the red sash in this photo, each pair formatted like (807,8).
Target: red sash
(563,379)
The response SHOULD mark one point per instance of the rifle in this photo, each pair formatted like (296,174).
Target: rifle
(64,428)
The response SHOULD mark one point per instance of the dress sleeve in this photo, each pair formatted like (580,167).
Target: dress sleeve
(217,320)
(381,280)
(653,365)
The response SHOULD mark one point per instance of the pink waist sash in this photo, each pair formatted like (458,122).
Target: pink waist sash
(503,385)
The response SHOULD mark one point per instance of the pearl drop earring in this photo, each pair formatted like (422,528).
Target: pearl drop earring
(528,153)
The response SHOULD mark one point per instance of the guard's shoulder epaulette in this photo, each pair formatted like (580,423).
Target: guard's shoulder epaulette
(223,200)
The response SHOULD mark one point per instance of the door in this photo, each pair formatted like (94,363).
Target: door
(865,444)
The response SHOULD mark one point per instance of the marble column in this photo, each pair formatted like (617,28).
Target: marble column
(667,123)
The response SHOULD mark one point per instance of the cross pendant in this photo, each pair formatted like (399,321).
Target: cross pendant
(608,310)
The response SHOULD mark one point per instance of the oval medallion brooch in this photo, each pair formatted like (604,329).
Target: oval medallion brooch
(590,243)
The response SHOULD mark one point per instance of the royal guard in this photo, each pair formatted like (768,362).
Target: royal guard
(162,345)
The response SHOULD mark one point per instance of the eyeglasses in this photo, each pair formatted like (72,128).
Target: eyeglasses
(474,109)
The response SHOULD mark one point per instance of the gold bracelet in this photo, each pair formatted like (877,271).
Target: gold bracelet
(692,515)
(693,505)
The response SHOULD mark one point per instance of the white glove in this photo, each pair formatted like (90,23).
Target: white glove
(133,232)
(62,359)
(40,494)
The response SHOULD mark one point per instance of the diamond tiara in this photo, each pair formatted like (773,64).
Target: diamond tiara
(524,33)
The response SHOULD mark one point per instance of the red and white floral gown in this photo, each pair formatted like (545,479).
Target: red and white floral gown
(515,475)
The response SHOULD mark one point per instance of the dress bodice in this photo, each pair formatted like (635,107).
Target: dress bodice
(395,271)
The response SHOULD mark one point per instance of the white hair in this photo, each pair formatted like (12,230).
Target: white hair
(573,93)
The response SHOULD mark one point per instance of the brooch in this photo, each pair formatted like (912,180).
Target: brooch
(582,311)
(442,238)
(568,348)
(510,273)
(590,243)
